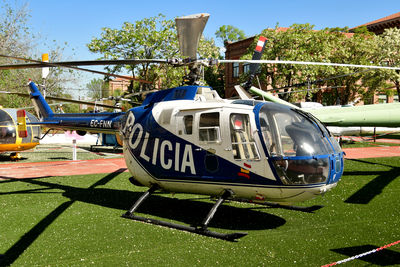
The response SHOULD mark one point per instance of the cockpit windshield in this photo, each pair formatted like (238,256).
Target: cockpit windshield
(289,133)
(298,145)
(7,129)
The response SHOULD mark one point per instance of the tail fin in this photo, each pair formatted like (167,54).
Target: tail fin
(258,51)
(42,109)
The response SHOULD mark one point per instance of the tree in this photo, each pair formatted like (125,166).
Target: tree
(97,89)
(389,53)
(17,39)
(229,33)
(145,39)
(358,48)
(150,38)
(302,43)
(13,41)
(298,43)
(13,30)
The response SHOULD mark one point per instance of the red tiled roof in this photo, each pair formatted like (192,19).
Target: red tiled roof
(394,16)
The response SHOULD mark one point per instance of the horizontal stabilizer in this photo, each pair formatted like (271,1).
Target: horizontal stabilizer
(270,97)
(242,93)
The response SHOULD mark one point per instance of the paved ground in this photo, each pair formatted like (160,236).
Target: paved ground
(372,152)
(370,139)
(63,168)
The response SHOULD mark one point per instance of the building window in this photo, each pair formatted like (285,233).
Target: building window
(246,68)
(382,99)
(235,70)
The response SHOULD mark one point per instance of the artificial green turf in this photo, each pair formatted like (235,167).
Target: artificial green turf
(76,221)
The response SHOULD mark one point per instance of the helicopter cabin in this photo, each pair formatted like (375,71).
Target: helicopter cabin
(215,126)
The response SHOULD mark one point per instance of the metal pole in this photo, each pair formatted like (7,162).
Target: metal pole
(74,149)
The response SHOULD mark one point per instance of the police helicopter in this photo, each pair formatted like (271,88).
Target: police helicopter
(188,139)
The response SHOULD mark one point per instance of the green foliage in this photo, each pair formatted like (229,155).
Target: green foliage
(229,33)
(389,54)
(214,77)
(17,39)
(97,89)
(150,38)
(70,108)
(301,42)
(362,30)
(14,29)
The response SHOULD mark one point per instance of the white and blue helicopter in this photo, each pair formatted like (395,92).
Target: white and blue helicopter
(190,140)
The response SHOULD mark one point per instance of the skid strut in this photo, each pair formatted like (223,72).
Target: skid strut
(201,229)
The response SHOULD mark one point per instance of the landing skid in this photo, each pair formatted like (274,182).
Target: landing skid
(201,229)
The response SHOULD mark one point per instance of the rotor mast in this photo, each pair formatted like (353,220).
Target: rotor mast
(190,29)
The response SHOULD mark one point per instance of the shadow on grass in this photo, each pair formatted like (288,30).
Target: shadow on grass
(28,238)
(375,186)
(7,158)
(384,257)
(184,210)
(103,149)
(13,179)
(59,158)
(187,211)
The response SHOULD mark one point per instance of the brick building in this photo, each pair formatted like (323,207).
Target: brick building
(119,84)
(378,26)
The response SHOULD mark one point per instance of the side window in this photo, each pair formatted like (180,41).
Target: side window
(209,130)
(243,145)
(188,123)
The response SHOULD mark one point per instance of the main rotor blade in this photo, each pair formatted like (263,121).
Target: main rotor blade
(73,64)
(62,99)
(306,63)
(189,29)
(41,64)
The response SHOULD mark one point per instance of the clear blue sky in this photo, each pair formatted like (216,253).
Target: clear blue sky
(78,21)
